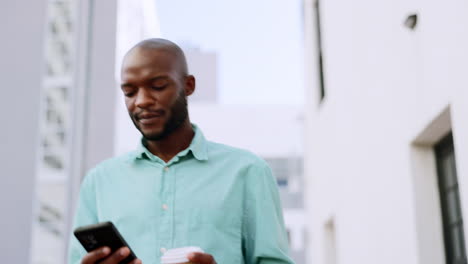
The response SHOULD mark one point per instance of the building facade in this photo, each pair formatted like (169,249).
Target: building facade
(386,131)
(58,63)
(21,67)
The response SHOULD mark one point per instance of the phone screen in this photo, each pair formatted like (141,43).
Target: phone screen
(100,235)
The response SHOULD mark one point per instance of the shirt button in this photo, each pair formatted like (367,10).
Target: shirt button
(166,168)
(164,206)
(163,250)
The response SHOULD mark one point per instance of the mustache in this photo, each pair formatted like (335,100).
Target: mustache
(148,114)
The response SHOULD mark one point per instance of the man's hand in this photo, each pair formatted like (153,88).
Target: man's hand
(201,258)
(104,253)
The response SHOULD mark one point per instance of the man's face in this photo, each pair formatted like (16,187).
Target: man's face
(154,91)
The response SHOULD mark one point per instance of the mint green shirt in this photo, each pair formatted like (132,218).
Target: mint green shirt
(222,199)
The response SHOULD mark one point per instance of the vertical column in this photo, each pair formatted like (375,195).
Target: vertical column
(21,69)
(101,86)
(93,103)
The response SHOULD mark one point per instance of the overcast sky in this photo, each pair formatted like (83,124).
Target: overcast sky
(258,42)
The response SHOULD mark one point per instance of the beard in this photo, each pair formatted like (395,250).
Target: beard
(178,113)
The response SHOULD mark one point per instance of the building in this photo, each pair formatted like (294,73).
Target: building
(60,60)
(19,114)
(386,131)
(72,116)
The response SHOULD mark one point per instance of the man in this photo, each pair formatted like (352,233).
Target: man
(177,189)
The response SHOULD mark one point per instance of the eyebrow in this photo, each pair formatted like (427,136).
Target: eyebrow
(126,85)
(156,78)
(161,77)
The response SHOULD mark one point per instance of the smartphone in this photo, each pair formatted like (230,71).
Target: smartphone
(100,235)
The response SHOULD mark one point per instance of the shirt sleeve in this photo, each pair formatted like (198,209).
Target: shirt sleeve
(263,233)
(85,214)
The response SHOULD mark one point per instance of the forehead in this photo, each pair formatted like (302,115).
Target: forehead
(141,63)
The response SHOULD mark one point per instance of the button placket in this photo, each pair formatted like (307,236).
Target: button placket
(166,222)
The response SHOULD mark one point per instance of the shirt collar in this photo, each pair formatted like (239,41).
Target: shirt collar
(197,147)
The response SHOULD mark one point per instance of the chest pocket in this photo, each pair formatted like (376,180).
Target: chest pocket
(218,232)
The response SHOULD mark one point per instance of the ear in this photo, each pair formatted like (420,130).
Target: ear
(189,85)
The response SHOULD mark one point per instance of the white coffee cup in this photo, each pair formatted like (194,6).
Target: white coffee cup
(178,255)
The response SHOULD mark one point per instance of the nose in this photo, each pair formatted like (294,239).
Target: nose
(144,99)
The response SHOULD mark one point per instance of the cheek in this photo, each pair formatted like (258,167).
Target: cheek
(129,104)
(171,98)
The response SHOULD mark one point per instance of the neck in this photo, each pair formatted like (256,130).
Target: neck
(173,143)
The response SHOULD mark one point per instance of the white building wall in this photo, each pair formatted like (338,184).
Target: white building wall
(370,174)
(86,114)
(21,69)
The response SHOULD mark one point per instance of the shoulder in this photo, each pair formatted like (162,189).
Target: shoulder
(110,166)
(246,163)
(218,150)
(251,169)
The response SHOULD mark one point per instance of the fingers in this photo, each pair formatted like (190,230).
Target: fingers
(104,252)
(201,258)
(117,256)
(95,255)
(136,261)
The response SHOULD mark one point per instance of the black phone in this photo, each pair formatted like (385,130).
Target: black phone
(100,235)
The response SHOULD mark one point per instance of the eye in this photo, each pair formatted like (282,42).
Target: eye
(158,88)
(128,91)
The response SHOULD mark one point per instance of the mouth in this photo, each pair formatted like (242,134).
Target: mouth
(149,118)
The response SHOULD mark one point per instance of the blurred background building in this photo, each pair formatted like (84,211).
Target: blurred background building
(79,39)
(21,70)
(360,108)
(387,125)
(55,56)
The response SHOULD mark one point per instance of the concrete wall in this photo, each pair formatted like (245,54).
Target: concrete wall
(21,67)
(391,93)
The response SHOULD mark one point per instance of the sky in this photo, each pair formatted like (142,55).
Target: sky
(259,44)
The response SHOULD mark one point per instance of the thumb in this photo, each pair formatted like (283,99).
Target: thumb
(201,258)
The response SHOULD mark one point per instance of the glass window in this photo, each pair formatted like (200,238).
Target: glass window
(452,220)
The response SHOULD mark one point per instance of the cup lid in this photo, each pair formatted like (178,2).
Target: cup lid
(178,255)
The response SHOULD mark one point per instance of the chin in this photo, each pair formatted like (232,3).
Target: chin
(153,135)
